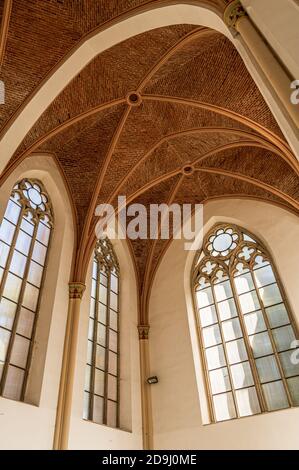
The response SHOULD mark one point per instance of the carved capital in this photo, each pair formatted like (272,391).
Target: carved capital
(233,12)
(143,331)
(76,290)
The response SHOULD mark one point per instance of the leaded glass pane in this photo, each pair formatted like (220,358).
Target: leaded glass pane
(255,322)
(261,344)
(35,274)
(26,322)
(270,295)
(4,340)
(98,408)
(112,340)
(7,231)
(211,336)
(293,384)
(227,309)
(99,382)
(103,294)
(113,301)
(14,382)
(112,364)
(30,298)
(224,406)
(112,387)
(289,363)
(100,357)
(19,352)
(112,414)
(264,276)
(23,242)
(236,351)
(237,293)
(223,291)
(101,334)
(232,329)
(204,297)
(12,212)
(249,302)
(114,283)
(244,283)
(247,401)
(7,313)
(242,375)
(12,287)
(43,233)
(215,357)
(4,252)
(277,315)
(18,264)
(284,337)
(275,395)
(267,369)
(219,379)
(113,320)
(39,253)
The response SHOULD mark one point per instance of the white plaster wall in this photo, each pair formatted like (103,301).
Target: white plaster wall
(85,434)
(178,412)
(278,21)
(25,426)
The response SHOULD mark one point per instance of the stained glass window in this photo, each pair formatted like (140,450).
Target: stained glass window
(247,333)
(101,395)
(24,240)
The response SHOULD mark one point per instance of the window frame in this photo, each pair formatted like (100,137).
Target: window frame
(223,260)
(41,213)
(104,263)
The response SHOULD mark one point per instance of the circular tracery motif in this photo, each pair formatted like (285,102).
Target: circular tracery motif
(35,196)
(222,242)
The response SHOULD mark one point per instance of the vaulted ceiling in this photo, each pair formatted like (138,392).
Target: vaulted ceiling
(197,106)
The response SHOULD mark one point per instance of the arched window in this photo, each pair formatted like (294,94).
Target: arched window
(24,240)
(246,330)
(101,401)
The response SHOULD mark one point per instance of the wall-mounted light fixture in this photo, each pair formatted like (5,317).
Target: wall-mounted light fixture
(152,380)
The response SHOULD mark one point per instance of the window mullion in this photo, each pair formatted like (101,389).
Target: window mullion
(18,310)
(225,351)
(272,340)
(251,359)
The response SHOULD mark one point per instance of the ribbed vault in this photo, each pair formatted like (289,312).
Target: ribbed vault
(198,106)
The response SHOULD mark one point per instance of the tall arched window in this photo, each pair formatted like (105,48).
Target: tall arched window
(24,240)
(101,401)
(246,330)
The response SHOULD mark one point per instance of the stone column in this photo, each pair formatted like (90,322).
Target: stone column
(147,425)
(237,19)
(63,417)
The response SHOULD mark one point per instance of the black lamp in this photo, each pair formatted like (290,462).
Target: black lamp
(152,380)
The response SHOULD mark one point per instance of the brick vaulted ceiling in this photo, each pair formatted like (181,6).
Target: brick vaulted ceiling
(198,106)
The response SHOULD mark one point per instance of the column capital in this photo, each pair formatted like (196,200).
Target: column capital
(233,12)
(143,331)
(76,290)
